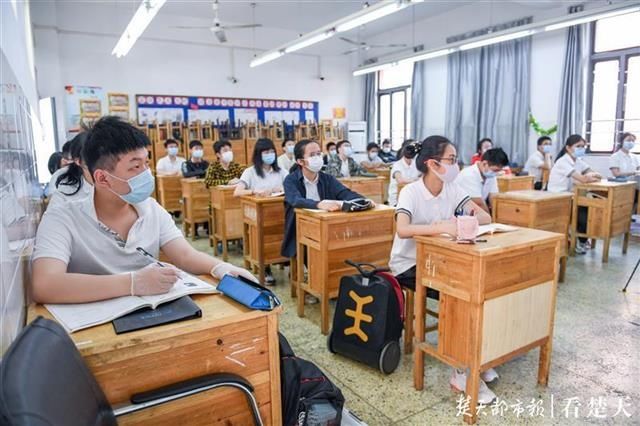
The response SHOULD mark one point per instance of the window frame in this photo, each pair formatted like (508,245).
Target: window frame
(622,56)
(390,92)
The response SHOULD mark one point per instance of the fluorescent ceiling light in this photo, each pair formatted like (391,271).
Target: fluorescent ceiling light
(428,55)
(306,42)
(591,18)
(266,58)
(494,40)
(141,19)
(372,15)
(374,68)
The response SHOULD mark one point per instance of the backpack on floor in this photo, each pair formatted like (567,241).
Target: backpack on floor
(369,318)
(306,391)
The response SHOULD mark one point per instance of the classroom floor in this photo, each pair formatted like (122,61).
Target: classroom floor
(596,352)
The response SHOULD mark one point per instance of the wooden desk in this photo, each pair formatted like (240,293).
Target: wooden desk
(195,205)
(548,211)
(330,238)
(169,192)
(372,188)
(384,173)
(545,178)
(226,218)
(228,338)
(508,183)
(263,232)
(497,301)
(610,205)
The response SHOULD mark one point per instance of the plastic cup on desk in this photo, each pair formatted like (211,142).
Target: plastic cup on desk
(467,227)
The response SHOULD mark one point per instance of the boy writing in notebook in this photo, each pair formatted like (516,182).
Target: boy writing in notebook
(87,250)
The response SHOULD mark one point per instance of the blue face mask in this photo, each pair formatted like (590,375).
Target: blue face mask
(348,151)
(290,148)
(141,185)
(173,151)
(490,174)
(628,145)
(546,149)
(580,152)
(268,158)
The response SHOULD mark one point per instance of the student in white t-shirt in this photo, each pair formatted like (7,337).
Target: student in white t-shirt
(72,182)
(404,170)
(171,165)
(373,160)
(539,161)
(429,206)
(87,250)
(286,160)
(623,163)
(262,179)
(479,179)
(569,168)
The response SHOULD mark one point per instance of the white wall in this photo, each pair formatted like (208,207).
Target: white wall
(70,50)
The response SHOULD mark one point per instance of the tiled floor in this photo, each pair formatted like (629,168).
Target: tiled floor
(596,357)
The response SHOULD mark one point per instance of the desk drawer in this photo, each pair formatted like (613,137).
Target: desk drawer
(513,213)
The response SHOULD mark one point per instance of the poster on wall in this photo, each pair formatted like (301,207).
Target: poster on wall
(83,104)
(159,115)
(236,110)
(118,105)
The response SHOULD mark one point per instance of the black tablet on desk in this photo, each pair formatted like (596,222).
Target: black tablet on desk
(180,309)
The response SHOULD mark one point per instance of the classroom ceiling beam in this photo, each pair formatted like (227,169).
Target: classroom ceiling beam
(369,14)
(509,34)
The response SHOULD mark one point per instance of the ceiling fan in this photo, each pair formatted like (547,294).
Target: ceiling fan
(361,45)
(218,28)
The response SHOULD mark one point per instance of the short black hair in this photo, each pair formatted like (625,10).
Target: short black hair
(193,144)
(386,141)
(298,151)
(330,144)
(480,142)
(170,141)
(54,162)
(66,147)
(626,135)
(432,148)
(108,139)
(284,142)
(217,147)
(496,157)
(372,145)
(263,144)
(407,153)
(542,139)
(339,144)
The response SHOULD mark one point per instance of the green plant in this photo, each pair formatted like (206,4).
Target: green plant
(539,130)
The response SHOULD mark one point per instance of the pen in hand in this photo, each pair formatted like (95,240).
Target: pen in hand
(149,256)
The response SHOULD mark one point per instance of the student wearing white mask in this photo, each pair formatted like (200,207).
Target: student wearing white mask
(623,163)
(171,165)
(430,206)
(539,161)
(387,154)
(286,160)
(343,165)
(87,250)
(196,166)
(404,170)
(373,160)
(479,180)
(568,169)
(224,171)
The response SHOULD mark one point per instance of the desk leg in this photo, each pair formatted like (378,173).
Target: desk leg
(245,245)
(545,363)
(563,268)
(300,270)
(419,318)
(324,296)
(473,379)
(225,249)
(574,225)
(593,243)
(605,250)
(293,276)
(408,321)
(625,242)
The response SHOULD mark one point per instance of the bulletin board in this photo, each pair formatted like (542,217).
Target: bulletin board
(162,108)
(84,104)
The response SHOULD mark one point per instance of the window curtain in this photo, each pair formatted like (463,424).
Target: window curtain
(418,101)
(572,103)
(488,96)
(369,111)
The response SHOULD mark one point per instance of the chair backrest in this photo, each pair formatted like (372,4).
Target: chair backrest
(44,381)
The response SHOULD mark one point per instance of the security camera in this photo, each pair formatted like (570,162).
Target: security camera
(233,80)
(321,78)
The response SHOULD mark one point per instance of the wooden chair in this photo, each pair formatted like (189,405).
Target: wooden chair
(169,192)
(195,205)
(226,218)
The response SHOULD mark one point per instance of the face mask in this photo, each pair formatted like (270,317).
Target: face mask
(347,151)
(628,145)
(315,163)
(546,149)
(173,151)
(373,156)
(386,150)
(290,149)
(579,152)
(450,174)
(333,152)
(141,186)
(198,153)
(227,156)
(268,158)
(490,174)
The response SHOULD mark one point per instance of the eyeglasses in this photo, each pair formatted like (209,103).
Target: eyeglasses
(452,160)
(316,154)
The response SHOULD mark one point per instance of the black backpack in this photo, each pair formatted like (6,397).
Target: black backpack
(303,385)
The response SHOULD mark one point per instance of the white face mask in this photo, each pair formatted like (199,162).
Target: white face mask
(227,156)
(450,174)
(386,150)
(315,163)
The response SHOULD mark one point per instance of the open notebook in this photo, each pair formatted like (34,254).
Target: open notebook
(77,316)
(493,228)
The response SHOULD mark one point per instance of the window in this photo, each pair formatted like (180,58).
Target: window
(394,103)
(614,83)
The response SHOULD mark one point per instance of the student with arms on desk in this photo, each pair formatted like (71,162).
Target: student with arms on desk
(623,163)
(479,180)
(86,251)
(539,161)
(429,206)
